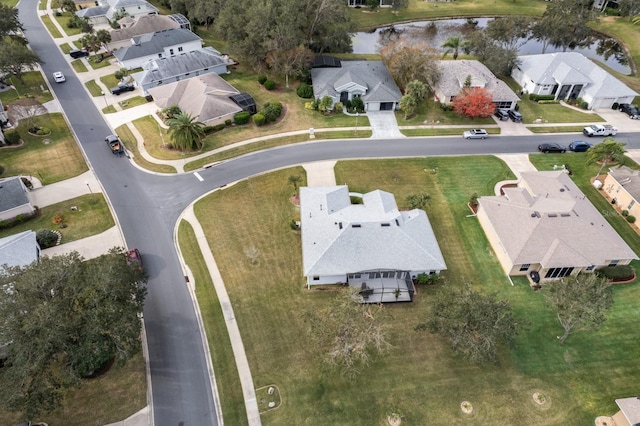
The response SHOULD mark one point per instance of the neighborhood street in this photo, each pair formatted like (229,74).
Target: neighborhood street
(147,207)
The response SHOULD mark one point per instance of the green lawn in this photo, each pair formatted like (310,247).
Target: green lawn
(109,80)
(63,20)
(79,66)
(421,377)
(132,102)
(129,141)
(91,217)
(429,112)
(33,85)
(96,61)
(93,88)
(59,160)
(556,129)
(53,30)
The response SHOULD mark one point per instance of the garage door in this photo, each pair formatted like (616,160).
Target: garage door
(386,106)
(603,103)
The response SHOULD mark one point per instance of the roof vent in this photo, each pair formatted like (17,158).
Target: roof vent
(552,215)
(565,215)
(561,189)
(356,225)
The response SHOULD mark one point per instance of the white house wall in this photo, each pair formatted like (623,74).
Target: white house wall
(326,279)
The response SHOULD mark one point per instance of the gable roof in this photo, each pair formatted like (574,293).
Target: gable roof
(628,178)
(572,68)
(154,43)
(454,74)
(385,238)
(205,96)
(548,220)
(19,250)
(630,408)
(373,76)
(116,5)
(160,69)
(143,25)
(90,12)
(12,193)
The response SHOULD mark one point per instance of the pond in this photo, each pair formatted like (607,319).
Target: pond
(602,49)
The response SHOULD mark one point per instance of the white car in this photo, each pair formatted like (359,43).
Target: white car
(475,134)
(59,77)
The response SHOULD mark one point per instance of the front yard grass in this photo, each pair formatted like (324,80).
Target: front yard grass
(132,102)
(63,20)
(33,86)
(93,61)
(130,143)
(92,217)
(420,377)
(429,112)
(556,129)
(79,66)
(58,160)
(51,28)
(93,88)
(109,81)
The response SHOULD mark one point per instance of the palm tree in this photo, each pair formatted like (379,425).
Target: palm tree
(607,152)
(186,132)
(454,44)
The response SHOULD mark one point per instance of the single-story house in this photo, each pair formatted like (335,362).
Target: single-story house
(623,185)
(83,4)
(166,70)
(546,224)
(568,76)
(130,28)
(629,414)
(363,3)
(19,250)
(455,74)
(207,97)
(160,44)
(14,198)
(368,80)
(111,10)
(372,246)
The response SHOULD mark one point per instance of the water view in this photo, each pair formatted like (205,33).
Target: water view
(603,49)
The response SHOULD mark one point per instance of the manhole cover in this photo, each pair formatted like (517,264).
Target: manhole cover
(46,141)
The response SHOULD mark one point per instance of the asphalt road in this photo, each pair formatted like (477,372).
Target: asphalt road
(147,207)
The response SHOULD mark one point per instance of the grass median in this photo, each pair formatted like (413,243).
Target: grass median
(131,144)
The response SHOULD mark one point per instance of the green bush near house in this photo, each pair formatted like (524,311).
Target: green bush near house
(618,272)
(241,118)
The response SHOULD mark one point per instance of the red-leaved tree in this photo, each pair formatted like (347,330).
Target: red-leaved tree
(473,102)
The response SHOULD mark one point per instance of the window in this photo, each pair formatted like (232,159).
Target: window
(170,51)
(159,55)
(525,267)
(316,278)
(631,204)
(558,272)
(356,275)
(590,268)
(613,262)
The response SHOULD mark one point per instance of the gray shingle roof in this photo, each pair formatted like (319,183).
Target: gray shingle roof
(143,25)
(90,12)
(19,249)
(117,5)
(181,64)
(12,194)
(205,96)
(548,220)
(154,43)
(385,239)
(454,75)
(628,178)
(372,75)
(630,408)
(551,68)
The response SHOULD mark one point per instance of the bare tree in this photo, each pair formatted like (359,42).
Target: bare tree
(408,61)
(27,109)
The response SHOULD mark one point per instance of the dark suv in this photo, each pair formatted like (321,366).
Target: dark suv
(77,53)
(502,114)
(121,88)
(631,110)
(515,116)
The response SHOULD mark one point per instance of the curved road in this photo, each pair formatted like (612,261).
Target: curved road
(147,208)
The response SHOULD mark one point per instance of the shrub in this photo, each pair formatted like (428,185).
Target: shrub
(305,91)
(228,122)
(584,105)
(208,129)
(548,102)
(43,131)
(618,272)
(357,104)
(259,119)
(219,127)
(269,84)
(631,218)
(625,213)
(262,79)
(271,111)
(26,182)
(615,105)
(446,107)
(46,238)
(242,117)
(338,107)
(121,73)
(12,137)
(309,105)
(537,98)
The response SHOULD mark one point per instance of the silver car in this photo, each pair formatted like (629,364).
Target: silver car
(475,134)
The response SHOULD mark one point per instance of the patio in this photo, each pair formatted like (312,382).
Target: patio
(383,286)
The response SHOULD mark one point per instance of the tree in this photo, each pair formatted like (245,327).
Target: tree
(206,11)
(348,333)
(453,45)
(565,23)
(474,102)
(606,152)
(91,43)
(495,57)
(475,324)
(580,302)
(186,132)
(408,61)
(408,105)
(103,37)
(629,8)
(294,180)
(326,104)
(16,57)
(289,62)
(511,32)
(28,109)
(10,26)
(417,89)
(68,6)
(65,318)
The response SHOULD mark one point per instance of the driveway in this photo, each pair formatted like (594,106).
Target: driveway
(384,125)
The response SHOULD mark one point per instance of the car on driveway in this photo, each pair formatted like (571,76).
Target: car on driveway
(78,53)
(58,77)
(121,88)
(475,134)
(551,147)
(579,146)
(515,116)
(631,110)
(502,114)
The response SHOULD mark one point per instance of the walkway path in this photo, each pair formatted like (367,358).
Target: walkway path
(90,247)
(85,183)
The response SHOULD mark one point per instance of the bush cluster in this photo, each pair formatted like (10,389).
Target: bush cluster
(21,218)
(46,238)
(618,272)
(12,137)
(271,111)
(42,131)
(259,119)
(631,218)
(269,84)
(242,117)
(305,91)
(537,98)
(262,79)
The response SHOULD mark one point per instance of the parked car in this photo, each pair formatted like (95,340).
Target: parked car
(579,146)
(502,114)
(78,53)
(475,134)
(551,147)
(515,116)
(631,110)
(115,144)
(121,88)
(58,77)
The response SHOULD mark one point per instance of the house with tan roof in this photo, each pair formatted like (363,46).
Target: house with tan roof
(207,97)
(454,74)
(371,246)
(547,225)
(622,184)
(130,28)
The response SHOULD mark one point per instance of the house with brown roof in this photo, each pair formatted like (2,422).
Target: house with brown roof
(547,225)
(622,184)
(455,73)
(207,97)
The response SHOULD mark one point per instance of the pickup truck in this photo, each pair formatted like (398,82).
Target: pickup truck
(600,130)
(115,144)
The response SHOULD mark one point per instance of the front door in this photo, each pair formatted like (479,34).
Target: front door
(563,91)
